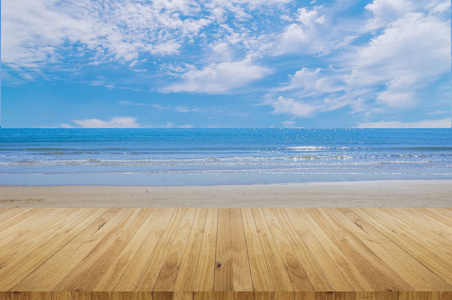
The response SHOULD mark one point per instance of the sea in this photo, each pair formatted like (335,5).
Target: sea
(180,157)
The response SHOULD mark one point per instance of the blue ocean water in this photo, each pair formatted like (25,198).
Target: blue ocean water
(221,156)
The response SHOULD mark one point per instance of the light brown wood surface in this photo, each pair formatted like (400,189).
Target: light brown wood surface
(226,253)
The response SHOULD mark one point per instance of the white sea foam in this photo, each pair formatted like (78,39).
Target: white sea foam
(307,148)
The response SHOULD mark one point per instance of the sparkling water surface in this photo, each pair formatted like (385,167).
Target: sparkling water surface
(221,156)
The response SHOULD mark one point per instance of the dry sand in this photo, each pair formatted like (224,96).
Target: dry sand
(407,193)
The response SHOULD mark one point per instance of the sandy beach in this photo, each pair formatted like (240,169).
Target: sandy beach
(406,193)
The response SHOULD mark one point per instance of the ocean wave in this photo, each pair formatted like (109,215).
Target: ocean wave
(307,148)
(231,162)
(184,161)
(313,171)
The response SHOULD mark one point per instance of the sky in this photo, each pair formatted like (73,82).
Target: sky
(217,63)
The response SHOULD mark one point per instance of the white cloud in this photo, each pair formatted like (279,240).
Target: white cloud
(221,51)
(394,99)
(439,112)
(171,47)
(315,32)
(293,39)
(292,107)
(118,122)
(289,124)
(310,17)
(37,33)
(172,125)
(216,46)
(115,122)
(410,53)
(398,51)
(184,109)
(395,58)
(301,37)
(34,32)
(130,103)
(441,123)
(386,11)
(439,7)
(305,79)
(313,81)
(219,78)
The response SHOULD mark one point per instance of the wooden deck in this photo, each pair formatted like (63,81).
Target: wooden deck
(207,253)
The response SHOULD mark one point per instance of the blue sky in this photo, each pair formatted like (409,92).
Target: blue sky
(235,63)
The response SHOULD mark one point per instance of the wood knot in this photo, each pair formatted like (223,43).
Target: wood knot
(100,226)
(360,226)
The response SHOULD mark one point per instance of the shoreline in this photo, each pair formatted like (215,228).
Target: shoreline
(345,182)
(384,193)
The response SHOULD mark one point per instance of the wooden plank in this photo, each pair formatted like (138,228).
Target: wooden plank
(419,296)
(343,261)
(421,223)
(74,252)
(9,213)
(345,295)
(4,210)
(415,232)
(276,268)
(138,263)
(437,215)
(53,270)
(374,295)
(31,228)
(416,274)
(94,266)
(414,247)
(170,269)
(81,295)
(314,295)
(31,296)
(130,295)
(101,295)
(204,279)
(150,273)
(15,220)
(335,277)
(232,272)
(369,264)
(5,295)
(172,295)
(30,259)
(179,253)
(189,264)
(24,223)
(432,222)
(116,268)
(203,295)
(316,276)
(64,295)
(258,266)
(294,268)
(443,211)
(418,229)
(18,246)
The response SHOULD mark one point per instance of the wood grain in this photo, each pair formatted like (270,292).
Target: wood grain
(224,253)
